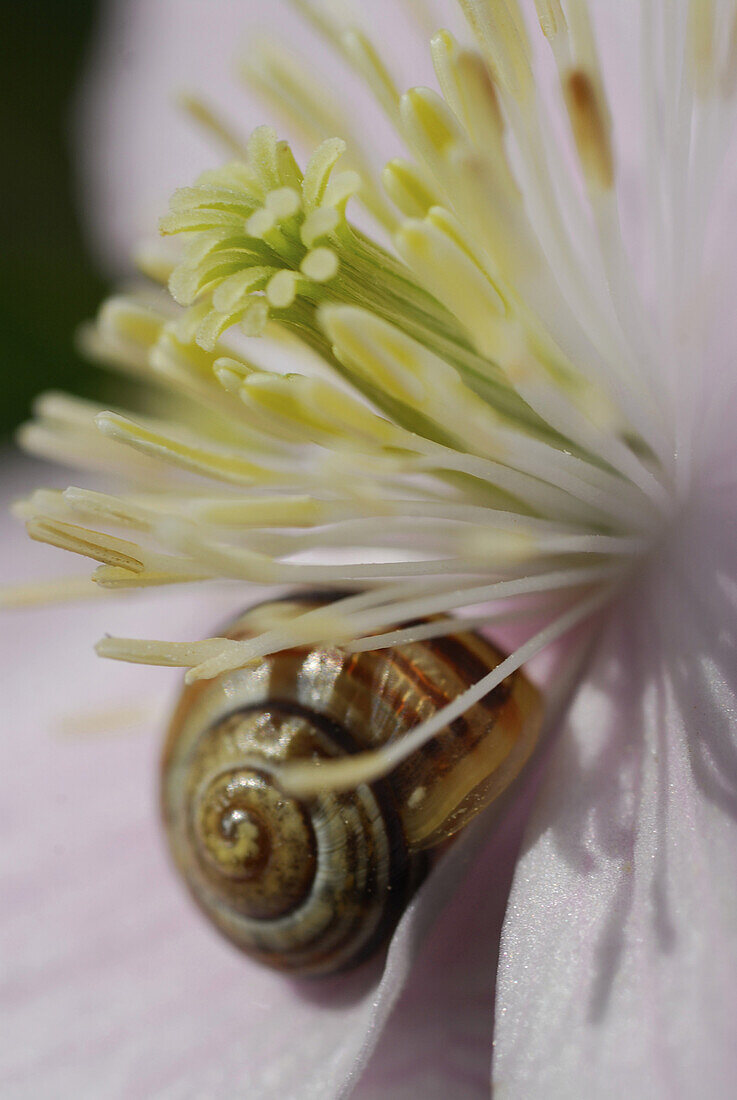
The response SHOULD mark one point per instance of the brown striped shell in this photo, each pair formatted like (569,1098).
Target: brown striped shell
(315,887)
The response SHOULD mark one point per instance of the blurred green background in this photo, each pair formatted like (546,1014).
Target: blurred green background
(48,282)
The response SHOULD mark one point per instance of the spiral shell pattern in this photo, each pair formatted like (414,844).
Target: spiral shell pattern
(315,887)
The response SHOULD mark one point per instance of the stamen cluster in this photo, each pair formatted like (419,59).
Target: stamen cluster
(482,416)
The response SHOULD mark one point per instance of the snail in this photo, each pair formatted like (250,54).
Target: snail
(315,887)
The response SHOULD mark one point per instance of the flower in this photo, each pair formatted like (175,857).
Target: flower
(517,416)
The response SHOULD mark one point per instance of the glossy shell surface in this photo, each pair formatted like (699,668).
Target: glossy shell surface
(315,887)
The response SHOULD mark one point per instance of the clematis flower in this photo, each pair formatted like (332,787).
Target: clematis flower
(511,397)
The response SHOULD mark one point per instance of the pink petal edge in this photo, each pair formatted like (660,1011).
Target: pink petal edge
(111,983)
(618,970)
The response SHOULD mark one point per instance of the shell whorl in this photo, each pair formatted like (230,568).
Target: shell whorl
(301,887)
(314,887)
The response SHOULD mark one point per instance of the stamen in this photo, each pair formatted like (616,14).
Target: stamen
(294,91)
(481,419)
(212,123)
(551,17)
(589,130)
(347,625)
(306,779)
(409,187)
(499,28)
(439,628)
(43,593)
(700,42)
(367,61)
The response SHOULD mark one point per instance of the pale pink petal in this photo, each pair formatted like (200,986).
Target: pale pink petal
(111,984)
(618,972)
(436,1043)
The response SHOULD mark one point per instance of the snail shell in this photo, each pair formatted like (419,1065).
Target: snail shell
(315,887)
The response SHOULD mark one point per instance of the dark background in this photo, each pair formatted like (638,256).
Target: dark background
(48,282)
